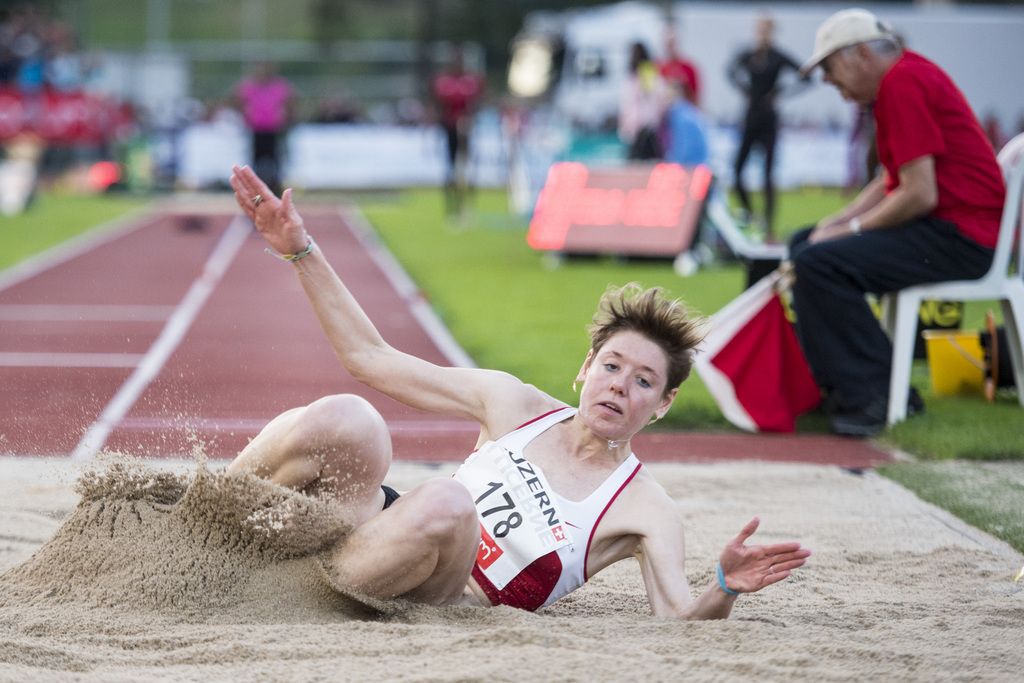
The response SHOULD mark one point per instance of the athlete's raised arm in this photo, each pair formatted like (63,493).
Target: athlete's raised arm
(359,346)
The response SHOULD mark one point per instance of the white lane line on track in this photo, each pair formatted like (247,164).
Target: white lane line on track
(406,288)
(170,337)
(84,313)
(42,359)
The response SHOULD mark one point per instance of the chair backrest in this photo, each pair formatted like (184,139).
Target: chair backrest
(1011,159)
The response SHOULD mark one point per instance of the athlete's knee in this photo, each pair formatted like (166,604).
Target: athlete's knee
(344,415)
(337,437)
(340,419)
(445,510)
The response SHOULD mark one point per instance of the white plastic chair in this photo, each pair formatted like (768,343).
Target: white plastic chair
(900,309)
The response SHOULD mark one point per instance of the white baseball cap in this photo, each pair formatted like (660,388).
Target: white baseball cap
(843,29)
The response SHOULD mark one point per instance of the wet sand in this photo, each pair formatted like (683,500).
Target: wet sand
(167,570)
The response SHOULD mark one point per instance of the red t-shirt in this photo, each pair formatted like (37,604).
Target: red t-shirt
(920,111)
(682,71)
(456,94)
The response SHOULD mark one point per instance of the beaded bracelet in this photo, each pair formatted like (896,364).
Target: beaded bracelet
(721,581)
(297,255)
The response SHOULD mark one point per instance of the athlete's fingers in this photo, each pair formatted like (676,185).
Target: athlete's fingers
(784,549)
(286,203)
(747,531)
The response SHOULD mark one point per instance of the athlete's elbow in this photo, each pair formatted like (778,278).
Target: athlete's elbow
(367,366)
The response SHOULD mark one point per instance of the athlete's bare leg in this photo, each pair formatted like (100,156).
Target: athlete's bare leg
(421,548)
(337,447)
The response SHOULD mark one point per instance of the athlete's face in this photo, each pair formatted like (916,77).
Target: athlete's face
(624,386)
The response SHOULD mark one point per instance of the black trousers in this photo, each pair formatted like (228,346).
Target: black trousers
(849,353)
(266,158)
(760,127)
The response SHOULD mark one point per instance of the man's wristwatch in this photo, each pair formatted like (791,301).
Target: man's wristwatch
(855,225)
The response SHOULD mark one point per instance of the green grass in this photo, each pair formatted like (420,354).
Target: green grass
(54,218)
(989,496)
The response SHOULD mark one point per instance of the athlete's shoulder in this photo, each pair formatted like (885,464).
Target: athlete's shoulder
(643,506)
(511,403)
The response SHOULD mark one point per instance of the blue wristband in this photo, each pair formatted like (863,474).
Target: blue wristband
(721,581)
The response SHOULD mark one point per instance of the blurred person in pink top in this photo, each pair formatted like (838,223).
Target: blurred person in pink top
(266,101)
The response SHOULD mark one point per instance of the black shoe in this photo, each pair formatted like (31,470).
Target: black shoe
(872,418)
(868,421)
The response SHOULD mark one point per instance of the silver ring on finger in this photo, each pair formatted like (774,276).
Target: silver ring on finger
(257,200)
(771,568)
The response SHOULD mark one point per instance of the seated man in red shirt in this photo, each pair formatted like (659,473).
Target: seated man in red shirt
(931,215)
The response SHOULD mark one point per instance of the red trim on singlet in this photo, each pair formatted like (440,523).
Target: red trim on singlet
(530,422)
(590,540)
(539,417)
(530,588)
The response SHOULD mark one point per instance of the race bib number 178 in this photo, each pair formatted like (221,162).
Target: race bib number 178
(520,520)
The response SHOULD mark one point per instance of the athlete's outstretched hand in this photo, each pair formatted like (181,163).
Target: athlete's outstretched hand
(276,219)
(749,568)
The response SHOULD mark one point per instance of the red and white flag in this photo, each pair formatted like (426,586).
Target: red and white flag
(753,365)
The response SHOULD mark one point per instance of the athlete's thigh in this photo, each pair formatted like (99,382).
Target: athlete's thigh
(422,547)
(337,447)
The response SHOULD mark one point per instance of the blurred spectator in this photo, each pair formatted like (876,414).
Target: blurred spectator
(29,49)
(64,69)
(457,92)
(642,106)
(757,72)
(686,130)
(676,69)
(267,103)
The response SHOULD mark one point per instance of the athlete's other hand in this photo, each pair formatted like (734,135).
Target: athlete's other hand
(276,219)
(749,568)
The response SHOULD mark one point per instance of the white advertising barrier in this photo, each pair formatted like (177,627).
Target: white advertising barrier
(329,156)
(205,152)
(339,156)
(355,156)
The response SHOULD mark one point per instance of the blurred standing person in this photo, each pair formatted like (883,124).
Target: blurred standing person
(757,73)
(267,104)
(642,106)
(457,92)
(686,129)
(677,69)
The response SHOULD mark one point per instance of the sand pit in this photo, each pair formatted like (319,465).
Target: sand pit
(169,571)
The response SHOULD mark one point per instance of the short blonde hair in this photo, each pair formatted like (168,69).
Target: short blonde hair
(651,313)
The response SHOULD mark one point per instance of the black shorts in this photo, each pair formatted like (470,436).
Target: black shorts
(390,496)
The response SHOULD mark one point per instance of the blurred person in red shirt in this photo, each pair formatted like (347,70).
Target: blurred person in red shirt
(676,68)
(457,92)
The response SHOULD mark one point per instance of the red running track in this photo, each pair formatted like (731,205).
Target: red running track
(177,330)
